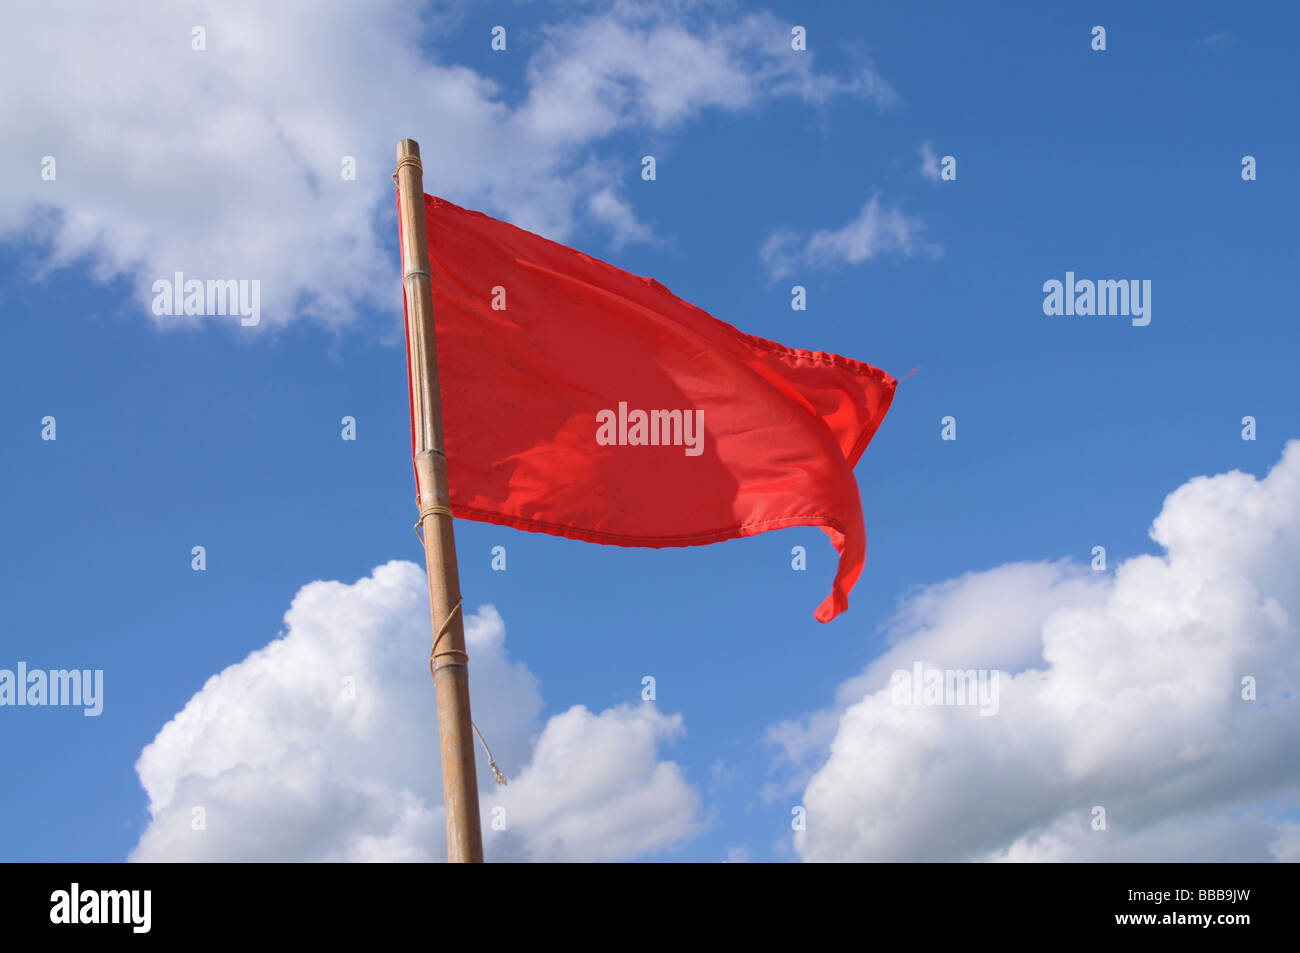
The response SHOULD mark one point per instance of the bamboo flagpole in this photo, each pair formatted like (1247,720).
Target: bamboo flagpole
(447,660)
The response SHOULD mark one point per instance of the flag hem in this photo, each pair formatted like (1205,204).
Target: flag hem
(651,542)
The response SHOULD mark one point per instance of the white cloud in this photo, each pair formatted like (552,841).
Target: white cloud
(595,789)
(609,208)
(877,230)
(929,162)
(286,767)
(225,162)
(1122,691)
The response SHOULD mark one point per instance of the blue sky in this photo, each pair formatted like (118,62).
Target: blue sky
(1071,432)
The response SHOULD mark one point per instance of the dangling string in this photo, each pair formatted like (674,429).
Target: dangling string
(496,772)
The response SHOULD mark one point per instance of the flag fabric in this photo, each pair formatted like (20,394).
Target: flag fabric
(581,400)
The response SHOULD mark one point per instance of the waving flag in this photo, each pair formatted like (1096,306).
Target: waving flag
(584,401)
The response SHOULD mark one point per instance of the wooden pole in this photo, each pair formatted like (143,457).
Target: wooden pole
(449,660)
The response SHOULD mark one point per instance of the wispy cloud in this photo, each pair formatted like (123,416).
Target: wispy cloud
(1216,41)
(877,230)
(929,162)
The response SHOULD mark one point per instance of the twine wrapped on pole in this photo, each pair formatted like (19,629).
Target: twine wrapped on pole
(448,659)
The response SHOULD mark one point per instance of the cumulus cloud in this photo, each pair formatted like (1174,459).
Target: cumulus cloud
(323,746)
(226,162)
(1121,691)
(877,230)
(595,789)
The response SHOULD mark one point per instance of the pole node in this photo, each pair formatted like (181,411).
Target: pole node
(433,509)
(409,160)
(497,775)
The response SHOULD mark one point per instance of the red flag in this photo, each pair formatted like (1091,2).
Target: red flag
(584,401)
